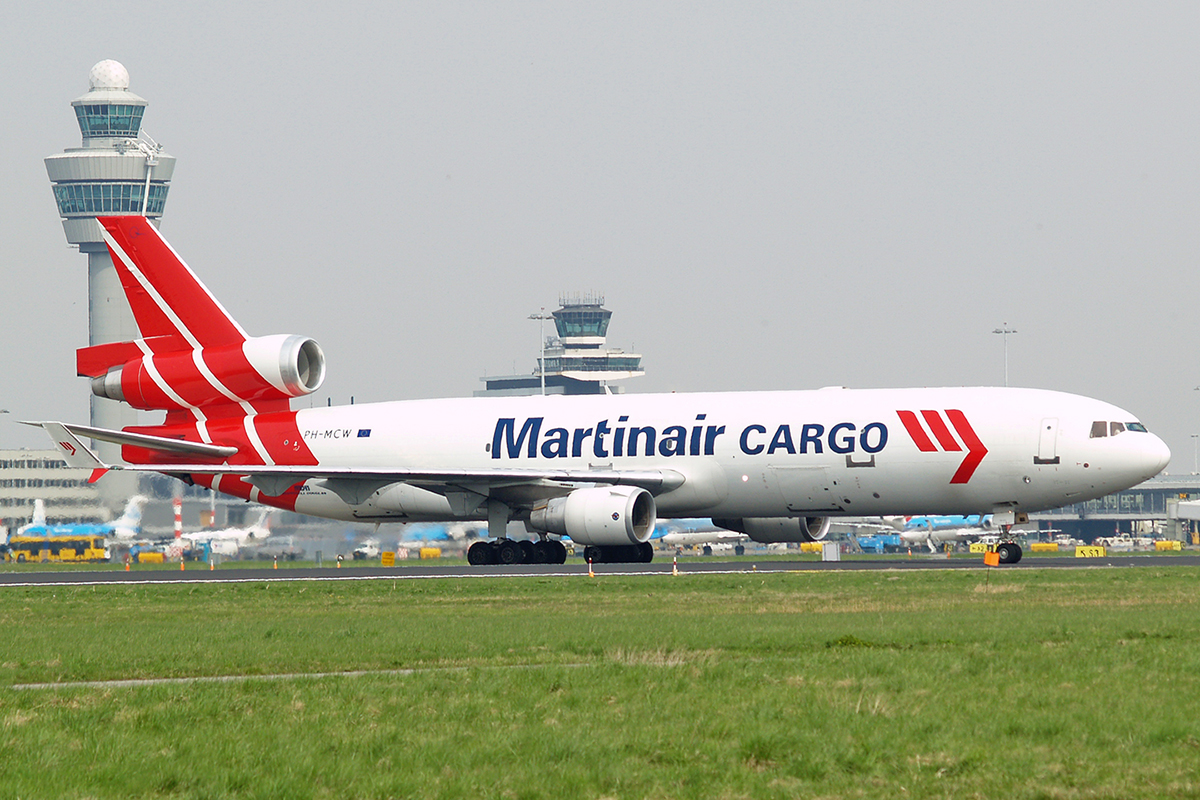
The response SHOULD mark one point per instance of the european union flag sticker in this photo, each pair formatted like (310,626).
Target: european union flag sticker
(363,433)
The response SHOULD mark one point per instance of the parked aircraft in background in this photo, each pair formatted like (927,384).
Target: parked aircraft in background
(698,533)
(934,530)
(438,534)
(230,541)
(125,528)
(600,469)
(37,522)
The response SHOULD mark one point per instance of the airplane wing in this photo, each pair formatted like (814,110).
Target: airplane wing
(352,483)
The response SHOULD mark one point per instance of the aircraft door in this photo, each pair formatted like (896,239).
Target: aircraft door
(1048,442)
(805,489)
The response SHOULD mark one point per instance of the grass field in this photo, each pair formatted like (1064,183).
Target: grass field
(1027,683)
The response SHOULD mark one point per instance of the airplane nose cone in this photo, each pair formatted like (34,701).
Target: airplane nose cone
(1154,456)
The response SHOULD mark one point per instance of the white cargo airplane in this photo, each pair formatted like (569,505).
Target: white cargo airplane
(234,537)
(600,469)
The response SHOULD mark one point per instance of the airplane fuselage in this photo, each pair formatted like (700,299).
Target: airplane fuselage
(761,454)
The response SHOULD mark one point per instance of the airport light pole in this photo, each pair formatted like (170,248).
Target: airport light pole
(1005,331)
(541,317)
(1195,453)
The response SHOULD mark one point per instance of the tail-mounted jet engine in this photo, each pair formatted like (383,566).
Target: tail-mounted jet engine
(769,530)
(262,368)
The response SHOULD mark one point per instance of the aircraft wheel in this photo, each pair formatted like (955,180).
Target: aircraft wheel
(480,554)
(646,552)
(558,552)
(541,553)
(593,554)
(707,550)
(739,550)
(1009,553)
(509,552)
(528,552)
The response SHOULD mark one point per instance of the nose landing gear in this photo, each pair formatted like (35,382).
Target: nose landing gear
(1009,552)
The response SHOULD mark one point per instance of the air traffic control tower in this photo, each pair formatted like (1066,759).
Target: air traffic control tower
(577,360)
(118,170)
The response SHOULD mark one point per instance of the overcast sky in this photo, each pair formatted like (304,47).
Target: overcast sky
(770,196)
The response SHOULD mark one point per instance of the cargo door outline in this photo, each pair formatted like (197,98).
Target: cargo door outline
(805,489)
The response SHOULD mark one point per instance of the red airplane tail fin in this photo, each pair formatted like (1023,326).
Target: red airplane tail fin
(193,354)
(167,298)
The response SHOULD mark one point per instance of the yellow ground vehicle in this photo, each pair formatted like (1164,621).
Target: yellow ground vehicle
(67,549)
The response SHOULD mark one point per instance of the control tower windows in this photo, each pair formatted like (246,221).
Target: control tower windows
(596,364)
(582,321)
(101,198)
(109,119)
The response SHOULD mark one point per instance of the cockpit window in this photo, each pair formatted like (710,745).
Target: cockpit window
(1102,428)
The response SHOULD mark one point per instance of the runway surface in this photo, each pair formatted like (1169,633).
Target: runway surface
(199,574)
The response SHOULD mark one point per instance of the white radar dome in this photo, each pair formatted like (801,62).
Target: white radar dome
(109,74)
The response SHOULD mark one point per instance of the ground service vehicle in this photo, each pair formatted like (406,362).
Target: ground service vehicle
(65,549)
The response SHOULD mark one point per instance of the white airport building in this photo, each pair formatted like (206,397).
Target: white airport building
(29,475)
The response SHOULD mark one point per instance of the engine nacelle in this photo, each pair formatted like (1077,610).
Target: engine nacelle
(263,368)
(604,515)
(769,530)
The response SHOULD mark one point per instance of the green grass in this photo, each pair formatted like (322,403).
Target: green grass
(1028,684)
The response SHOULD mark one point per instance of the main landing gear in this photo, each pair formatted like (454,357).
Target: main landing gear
(509,551)
(619,554)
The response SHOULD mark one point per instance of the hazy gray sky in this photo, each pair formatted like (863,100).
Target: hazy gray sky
(769,195)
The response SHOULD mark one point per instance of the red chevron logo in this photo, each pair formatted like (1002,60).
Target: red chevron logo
(945,439)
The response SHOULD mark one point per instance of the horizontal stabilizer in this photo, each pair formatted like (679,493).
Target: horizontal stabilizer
(160,443)
(98,359)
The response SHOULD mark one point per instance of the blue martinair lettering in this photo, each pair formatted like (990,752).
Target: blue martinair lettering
(673,441)
(811,434)
(783,440)
(598,444)
(647,433)
(619,438)
(844,444)
(504,432)
(527,439)
(555,445)
(710,437)
(577,446)
(747,448)
(864,437)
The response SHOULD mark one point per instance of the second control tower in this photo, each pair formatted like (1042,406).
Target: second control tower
(577,360)
(119,169)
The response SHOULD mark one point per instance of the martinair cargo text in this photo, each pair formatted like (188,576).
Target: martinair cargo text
(599,469)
